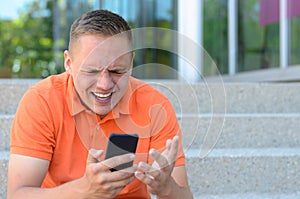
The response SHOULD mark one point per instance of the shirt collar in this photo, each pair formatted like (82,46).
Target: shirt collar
(75,105)
(123,106)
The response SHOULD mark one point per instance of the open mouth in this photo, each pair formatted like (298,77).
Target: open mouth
(103,98)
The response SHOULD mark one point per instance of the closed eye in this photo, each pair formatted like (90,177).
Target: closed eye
(117,71)
(91,70)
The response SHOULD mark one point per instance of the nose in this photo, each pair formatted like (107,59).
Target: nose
(105,81)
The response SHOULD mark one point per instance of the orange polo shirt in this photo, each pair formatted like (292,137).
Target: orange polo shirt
(52,124)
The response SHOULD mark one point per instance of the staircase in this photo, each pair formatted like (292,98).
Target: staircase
(242,140)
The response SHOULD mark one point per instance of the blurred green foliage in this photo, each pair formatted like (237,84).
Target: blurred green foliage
(31,46)
(26,42)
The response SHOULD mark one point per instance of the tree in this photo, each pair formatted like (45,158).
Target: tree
(7,29)
(26,43)
(35,40)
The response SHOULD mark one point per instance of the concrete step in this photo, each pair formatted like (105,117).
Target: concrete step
(199,98)
(257,154)
(244,173)
(239,171)
(295,195)
(5,126)
(247,196)
(228,131)
(203,98)
(4,156)
(11,92)
(241,131)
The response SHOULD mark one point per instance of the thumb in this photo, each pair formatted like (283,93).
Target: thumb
(94,155)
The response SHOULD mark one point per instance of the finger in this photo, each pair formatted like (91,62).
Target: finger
(94,155)
(117,160)
(155,173)
(130,170)
(115,180)
(168,144)
(119,184)
(159,158)
(173,150)
(123,174)
(148,180)
(176,140)
(169,155)
(124,182)
(116,186)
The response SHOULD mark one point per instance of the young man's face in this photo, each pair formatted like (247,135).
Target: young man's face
(100,67)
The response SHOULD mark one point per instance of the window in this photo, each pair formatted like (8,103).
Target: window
(149,63)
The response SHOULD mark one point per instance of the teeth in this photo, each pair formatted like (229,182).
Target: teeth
(102,95)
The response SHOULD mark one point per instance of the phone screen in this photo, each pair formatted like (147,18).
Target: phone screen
(119,144)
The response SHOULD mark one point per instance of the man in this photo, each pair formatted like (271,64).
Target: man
(61,128)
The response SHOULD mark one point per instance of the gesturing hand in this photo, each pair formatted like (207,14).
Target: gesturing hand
(99,181)
(158,176)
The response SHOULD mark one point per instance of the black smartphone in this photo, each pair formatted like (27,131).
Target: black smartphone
(119,144)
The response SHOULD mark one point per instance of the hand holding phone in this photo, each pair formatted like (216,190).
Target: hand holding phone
(119,144)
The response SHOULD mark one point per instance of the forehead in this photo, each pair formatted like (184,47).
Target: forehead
(105,49)
(92,42)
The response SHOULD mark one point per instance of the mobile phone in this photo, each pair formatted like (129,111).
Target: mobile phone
(119,144)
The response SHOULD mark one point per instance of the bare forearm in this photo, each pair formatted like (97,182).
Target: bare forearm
(175,191)
(65,191)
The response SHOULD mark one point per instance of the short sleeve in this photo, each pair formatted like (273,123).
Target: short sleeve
(165,126)
(32,132)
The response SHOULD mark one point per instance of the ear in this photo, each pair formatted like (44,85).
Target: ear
(133,55)
(67,61)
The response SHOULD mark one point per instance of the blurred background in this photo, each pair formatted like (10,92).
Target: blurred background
(239,35)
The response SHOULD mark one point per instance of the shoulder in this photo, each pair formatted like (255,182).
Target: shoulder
(48,93)
(54,83)
(146,99)
(145,92)
(51,87)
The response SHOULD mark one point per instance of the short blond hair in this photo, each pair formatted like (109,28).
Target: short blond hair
(102,22)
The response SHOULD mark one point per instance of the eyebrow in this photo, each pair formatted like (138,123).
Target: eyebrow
(90,67)
(114,68)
